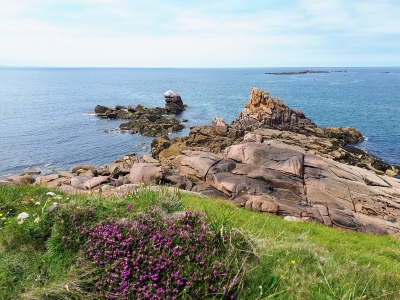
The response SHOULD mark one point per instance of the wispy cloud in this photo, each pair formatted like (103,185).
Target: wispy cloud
(210,33)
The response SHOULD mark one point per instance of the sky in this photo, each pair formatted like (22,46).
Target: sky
(207,33)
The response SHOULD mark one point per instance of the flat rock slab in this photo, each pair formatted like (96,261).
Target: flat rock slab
(42,180)
(196,163)
(264,155)
(95,182)
(82,167)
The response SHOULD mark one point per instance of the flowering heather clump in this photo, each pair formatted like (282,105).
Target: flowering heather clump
(71,224)
(157,258)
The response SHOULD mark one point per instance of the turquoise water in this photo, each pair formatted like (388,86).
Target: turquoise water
(46,124)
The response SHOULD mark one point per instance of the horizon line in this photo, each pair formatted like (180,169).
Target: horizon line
(110,67)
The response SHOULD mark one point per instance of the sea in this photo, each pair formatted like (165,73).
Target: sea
(47,121)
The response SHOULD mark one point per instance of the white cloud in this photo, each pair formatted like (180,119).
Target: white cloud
(9,7)
(109,33)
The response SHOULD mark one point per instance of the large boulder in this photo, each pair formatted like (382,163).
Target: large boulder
(101,109)
(24,179)
(145,173)
(174,104)
(85,167)
(96,181)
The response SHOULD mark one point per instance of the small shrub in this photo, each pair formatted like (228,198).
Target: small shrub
(160,258)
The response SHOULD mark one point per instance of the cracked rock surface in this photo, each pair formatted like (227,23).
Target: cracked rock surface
(290,182)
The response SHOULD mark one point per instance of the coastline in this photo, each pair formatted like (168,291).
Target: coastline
(270,159)
(53,112)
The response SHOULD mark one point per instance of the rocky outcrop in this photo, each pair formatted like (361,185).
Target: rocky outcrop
(147,121)
(152,125)
(266,118)
(332,148)
(174,104)
(298,73)
(290,182)
(206,138)
(271,159)
(265,112)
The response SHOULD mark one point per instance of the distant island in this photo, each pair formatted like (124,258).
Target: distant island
(296,73)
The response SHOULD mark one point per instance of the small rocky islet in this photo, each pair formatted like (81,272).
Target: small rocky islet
(301,72)
(270,159)
(147,121)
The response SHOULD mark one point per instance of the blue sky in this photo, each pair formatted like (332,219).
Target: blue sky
(236,33)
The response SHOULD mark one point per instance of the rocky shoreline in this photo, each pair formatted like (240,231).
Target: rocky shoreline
(270,159)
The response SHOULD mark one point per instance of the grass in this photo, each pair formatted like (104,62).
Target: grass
(303,260)
(291,260)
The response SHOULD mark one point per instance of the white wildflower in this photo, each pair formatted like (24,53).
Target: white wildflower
(50,194)
(22,216)
(37,203)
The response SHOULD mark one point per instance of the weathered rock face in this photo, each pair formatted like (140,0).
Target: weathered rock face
(266,118)
(345,135)
(265,112)
(174,104)
(333,148)
(159,144)
(201,138)
(289,181)
(212,138)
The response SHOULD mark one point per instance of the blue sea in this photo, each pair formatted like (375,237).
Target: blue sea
(47,124)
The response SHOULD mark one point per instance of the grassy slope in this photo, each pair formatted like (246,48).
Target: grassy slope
(305,260)
(297,260)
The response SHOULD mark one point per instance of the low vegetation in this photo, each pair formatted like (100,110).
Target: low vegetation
(159,244)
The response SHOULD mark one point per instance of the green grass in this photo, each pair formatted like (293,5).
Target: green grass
(295,260)
(306,260)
